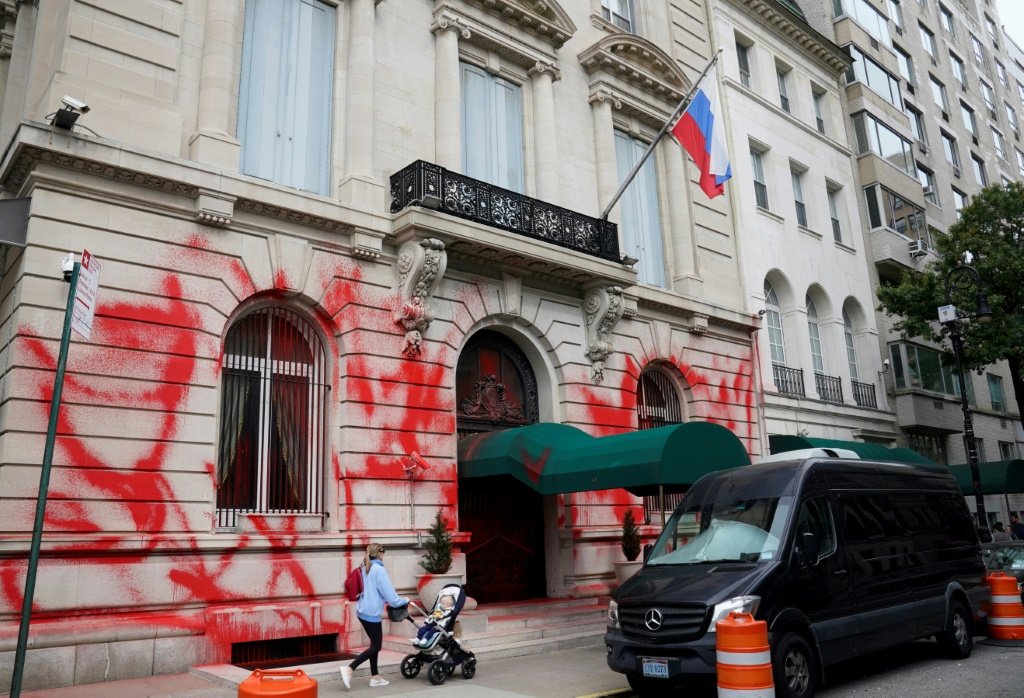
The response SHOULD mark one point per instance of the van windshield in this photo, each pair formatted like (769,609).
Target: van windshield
(722,530)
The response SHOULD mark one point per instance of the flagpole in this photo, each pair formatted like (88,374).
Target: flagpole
(650,149)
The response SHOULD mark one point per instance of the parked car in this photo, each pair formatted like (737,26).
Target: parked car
(1008,557)
(840,557)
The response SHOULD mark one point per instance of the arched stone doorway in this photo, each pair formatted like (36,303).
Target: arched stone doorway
(496,389)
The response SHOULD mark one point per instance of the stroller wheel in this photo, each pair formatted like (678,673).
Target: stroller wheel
(438,672)
(469,669)
(411,666)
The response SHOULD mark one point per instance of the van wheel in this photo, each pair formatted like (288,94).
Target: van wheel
(957,640)
(794,667)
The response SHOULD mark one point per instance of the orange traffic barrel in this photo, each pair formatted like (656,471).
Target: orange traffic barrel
(292,683)
(744,661)
(1006,618)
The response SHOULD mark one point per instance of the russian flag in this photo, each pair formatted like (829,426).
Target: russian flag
(701,131)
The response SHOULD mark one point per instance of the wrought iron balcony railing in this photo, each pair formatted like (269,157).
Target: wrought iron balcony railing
(864,394)
(830,388)
(789,381)
(425,184)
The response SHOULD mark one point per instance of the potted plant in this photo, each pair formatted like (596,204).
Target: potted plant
(436,562)
(630,547)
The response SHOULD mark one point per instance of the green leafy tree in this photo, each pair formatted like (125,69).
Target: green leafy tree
(630,536)
(437,556)
(990,237)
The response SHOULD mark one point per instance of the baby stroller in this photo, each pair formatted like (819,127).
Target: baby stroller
(443,652)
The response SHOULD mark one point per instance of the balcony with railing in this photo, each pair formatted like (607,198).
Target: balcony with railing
(830,388)
(432,186)
(864,394)
(789,381)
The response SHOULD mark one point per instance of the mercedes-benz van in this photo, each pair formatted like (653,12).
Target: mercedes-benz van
(840,557)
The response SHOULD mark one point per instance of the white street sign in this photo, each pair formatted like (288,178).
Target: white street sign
(85,296)
(947,313)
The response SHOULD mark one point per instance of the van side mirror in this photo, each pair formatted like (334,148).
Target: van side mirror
(647,550)
(809,548)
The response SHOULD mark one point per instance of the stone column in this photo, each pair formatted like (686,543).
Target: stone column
(213,142)
(542,77)
(23,24)
(601,104)
(359,186)
(682,236)
(448,92)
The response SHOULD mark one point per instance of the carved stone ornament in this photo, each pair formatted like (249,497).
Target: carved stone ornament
(490,402)
(421,265)
(602,310)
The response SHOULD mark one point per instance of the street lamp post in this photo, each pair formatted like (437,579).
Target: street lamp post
(950,317)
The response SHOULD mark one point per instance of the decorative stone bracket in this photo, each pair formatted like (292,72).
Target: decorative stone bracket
(214,208)
(602,310)
(421,265)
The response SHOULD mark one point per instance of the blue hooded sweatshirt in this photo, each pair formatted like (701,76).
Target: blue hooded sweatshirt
(377,590)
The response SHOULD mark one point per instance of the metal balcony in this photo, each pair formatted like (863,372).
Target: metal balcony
(830,388)
(789,381)
(425,184)
(864,394)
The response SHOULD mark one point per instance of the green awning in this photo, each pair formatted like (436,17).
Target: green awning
(997,477)
(780,443)
(557,458)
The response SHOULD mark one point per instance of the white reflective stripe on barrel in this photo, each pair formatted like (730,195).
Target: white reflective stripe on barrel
(744,658)
(1015,620)
(746,692)
(1000,598)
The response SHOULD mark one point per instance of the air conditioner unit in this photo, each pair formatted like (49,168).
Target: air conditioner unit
(956,172)
(922,147)
(927,191)
(918,248)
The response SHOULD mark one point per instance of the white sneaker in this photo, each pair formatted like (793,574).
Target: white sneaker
(379,682)
(346,676)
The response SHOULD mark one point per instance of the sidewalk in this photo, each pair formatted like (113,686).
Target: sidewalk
(564,674)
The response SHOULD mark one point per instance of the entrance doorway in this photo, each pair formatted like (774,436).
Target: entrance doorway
(496,389)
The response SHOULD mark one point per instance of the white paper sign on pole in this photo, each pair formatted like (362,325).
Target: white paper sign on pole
(85,296)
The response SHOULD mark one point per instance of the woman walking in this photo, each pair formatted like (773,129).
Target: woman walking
(377,590)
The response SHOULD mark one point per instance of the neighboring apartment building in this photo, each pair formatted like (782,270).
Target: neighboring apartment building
(333,235)
(933,117)
(804,254)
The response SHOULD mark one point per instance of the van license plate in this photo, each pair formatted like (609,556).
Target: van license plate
(655,668)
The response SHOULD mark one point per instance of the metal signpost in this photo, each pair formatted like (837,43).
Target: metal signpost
(81,307)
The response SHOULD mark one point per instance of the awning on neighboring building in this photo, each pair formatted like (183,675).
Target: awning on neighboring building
(997,477)
(780,443)
(557,458)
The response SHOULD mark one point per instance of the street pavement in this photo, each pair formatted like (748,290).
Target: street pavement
(915,671)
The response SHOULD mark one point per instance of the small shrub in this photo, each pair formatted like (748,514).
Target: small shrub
(630,536)
(437,557)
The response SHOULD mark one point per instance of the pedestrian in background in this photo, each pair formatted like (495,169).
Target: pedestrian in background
(1016,527)
(377,590)
(999,533)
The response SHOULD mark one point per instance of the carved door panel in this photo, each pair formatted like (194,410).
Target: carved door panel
(505,559)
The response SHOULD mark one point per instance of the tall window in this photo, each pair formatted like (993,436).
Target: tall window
(959,200)
(874,22)
(1020,161)
(814,332)
(1001,73)
(979,170)
(1000,144)
(743,59)
(927,179)
(1011,116)
(833,212)
(865,69)
(619,12)
(946,20)
(928,41)
(969,119)
(657,403)
(896,15)
(492,129)
(851,349)
(1007,450)
(284,101)
(906,65)
(641,217)
(773,319)
(959,70)
(798,197)
(978,50)
(819,110)
(273,397)
(783,77)
(989,96)
(949,147)
(760,184)
(917,127)
(995,392)
(875,137)
(939,95)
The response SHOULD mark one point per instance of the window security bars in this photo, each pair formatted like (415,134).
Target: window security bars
(864,394)
(789,381)
(830,388)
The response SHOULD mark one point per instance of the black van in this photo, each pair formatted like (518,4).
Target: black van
(840,557)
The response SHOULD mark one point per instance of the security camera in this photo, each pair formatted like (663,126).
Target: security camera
(885,363)
(68,266)
(417,460)
(76,104)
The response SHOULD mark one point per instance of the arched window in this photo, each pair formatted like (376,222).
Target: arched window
(495,387)
(814,332)
(773,319)
(273,396)
(851,350)
(657,404)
